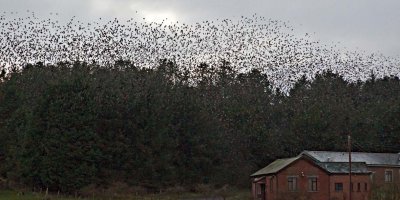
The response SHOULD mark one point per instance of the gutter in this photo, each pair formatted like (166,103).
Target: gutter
(395,166)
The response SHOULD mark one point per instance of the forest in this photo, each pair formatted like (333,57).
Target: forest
(69,125)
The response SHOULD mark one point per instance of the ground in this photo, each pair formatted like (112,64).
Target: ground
(233,195)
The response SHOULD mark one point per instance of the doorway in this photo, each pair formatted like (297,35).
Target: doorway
(262,192)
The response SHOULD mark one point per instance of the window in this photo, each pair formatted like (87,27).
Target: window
(312,184)
(351,186)
(292,183)
(388,176)
(358,187)
(366,186)
(338,187)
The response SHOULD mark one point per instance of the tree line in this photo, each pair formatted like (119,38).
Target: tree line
(70,125)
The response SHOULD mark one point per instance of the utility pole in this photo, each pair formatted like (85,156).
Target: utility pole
(349,148)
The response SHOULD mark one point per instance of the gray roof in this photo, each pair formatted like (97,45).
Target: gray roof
(336,162)
(339,167)
(378,159)
(275,166)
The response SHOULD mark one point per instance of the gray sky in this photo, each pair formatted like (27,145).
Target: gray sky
(364,25)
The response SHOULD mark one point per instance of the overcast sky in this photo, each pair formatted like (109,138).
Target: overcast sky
(364,25)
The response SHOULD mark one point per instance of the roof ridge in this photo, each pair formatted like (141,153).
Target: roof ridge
(367,157)
(348,152)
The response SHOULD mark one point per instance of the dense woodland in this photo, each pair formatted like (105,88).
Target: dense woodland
(67,126)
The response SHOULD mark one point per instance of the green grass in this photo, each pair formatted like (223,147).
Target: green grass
(13,195)
(232,195)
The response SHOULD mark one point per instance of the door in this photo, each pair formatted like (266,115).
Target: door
(262,195)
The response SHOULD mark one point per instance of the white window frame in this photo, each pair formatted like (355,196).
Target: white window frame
(295,183)
(391,176)
(310,188)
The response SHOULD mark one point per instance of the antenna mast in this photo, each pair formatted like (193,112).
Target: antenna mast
(349,148)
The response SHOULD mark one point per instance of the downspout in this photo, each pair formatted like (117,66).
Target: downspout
(329,185)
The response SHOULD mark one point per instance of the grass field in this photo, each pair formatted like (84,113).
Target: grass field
(13,195)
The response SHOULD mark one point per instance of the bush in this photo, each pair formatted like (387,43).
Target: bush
(3,184)
(176,190)
(386,192)
(117,190)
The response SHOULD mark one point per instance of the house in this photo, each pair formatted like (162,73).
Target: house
(324,175)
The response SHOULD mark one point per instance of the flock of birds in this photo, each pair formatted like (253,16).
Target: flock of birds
(246,43)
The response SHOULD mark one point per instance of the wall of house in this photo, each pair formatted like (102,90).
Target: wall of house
(302,169)
(378,175)
(276,186)
(256,187)
(269,188)
(362,194)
